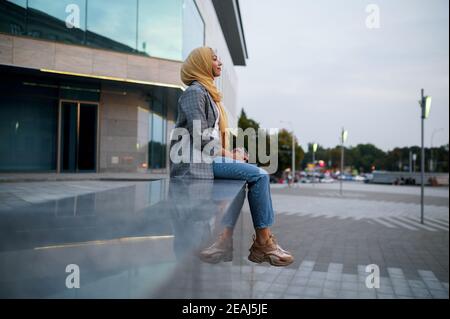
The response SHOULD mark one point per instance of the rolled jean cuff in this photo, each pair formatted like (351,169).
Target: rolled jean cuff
(260,226)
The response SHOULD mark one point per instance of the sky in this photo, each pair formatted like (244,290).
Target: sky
(316,64)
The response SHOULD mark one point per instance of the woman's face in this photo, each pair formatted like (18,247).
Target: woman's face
(217,65)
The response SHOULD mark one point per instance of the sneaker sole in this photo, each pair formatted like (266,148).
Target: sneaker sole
(217,258)
(274,261)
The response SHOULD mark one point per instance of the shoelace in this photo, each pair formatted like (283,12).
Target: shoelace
(274,243)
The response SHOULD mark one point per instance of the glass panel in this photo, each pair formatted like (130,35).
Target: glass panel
(193,28)
(13,16)
(28,127)
(160,28)
(112,24)
(157,134)
(62,20)
(157,144)
(80,91)
(69,112)
(88,137)
(167,29)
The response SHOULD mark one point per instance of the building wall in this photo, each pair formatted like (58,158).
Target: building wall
(125,125)
(118,130)
(42,54)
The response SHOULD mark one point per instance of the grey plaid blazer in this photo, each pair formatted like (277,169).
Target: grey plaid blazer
(194,104)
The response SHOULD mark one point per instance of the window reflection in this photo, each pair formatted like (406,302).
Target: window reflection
(160,28)
(47,20)
(28,133)
(22,3)
(112,24)
(157,129)
(157,143)
(13,16)
(193,27)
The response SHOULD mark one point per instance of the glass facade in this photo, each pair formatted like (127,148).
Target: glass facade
(167,29)
(29,103)
(94,122)
(112,24)
(159,28)
(78,145)
(50,19)
(157,130)
(193,28)
(28,127)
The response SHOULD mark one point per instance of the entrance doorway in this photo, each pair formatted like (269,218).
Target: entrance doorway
(78,126)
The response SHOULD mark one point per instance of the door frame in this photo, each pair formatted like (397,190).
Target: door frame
(97,144)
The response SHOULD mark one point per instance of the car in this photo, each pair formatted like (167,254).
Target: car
(305,180)
(359,178)
(327,179)
(369,178)
(345,177)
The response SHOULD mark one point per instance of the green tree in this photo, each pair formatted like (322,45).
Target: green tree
(366,156)
(285,152)
(362,157)
(244,122)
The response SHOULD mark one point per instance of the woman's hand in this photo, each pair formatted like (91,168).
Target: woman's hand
(240,154)
(235,154)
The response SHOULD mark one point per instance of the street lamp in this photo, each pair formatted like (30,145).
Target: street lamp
(431,147)
(314,150)
(425,105)
(293,149)
(344,135)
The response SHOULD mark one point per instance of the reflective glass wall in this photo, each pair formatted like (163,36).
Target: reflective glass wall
(28,126)
(167,29)
(157,129)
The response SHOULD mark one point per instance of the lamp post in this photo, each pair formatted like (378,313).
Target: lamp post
(314,150)
(431,147)
(344,135)
(410,162)
(293,149)
(425,105)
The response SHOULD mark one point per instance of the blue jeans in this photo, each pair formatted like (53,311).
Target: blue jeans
(258,183)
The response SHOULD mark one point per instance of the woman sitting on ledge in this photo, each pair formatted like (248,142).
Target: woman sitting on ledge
(202,102)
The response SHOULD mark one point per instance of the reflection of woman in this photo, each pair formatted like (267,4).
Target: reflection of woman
(202,102)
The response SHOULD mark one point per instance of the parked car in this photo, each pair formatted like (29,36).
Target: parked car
(327,179)
(369,178)
(359,178)
(305,180)
(345,177)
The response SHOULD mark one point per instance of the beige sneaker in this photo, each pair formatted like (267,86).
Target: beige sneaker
(270,252)
(221,250)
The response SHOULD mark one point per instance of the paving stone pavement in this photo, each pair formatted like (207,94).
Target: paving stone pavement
(334,238)
(266,282)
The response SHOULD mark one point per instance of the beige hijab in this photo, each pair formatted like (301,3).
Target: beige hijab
(198,67)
